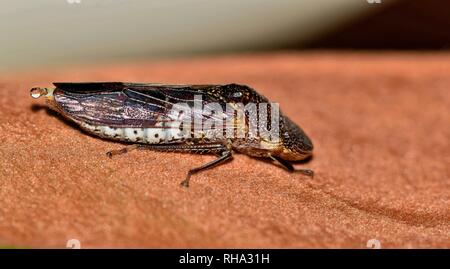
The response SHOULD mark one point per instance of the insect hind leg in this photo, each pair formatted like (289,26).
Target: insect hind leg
(223,151)
(121,151)
(226,155)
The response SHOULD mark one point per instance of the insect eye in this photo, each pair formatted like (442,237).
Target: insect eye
(237,94)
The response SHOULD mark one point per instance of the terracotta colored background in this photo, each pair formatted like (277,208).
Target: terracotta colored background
(379,122)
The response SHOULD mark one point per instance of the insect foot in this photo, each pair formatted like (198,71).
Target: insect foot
(121,151)
(306,172)
(185,182)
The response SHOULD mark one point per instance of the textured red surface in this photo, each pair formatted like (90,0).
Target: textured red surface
(379,122)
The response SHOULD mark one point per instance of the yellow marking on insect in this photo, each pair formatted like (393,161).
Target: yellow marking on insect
(269,145)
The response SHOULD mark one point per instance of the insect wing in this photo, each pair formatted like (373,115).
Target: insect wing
(122,105)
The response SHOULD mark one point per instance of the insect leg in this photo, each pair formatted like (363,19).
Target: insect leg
(194,148)
(306,172)
(124,150)
(226,155)
(291,168)
(222,151)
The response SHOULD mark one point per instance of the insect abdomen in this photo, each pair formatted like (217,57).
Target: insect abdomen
(135,134)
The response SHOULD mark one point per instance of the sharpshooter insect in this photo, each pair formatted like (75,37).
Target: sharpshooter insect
(203,119)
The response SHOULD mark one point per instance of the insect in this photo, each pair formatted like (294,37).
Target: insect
(203,119)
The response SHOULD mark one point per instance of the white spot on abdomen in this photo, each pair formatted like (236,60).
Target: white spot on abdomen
(140,135)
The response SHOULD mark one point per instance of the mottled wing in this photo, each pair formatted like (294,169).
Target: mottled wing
(118,104)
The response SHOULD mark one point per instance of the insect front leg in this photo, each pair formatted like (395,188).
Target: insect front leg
(291,168)
(306,172)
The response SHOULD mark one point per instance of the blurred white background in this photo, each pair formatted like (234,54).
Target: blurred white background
(43,32)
